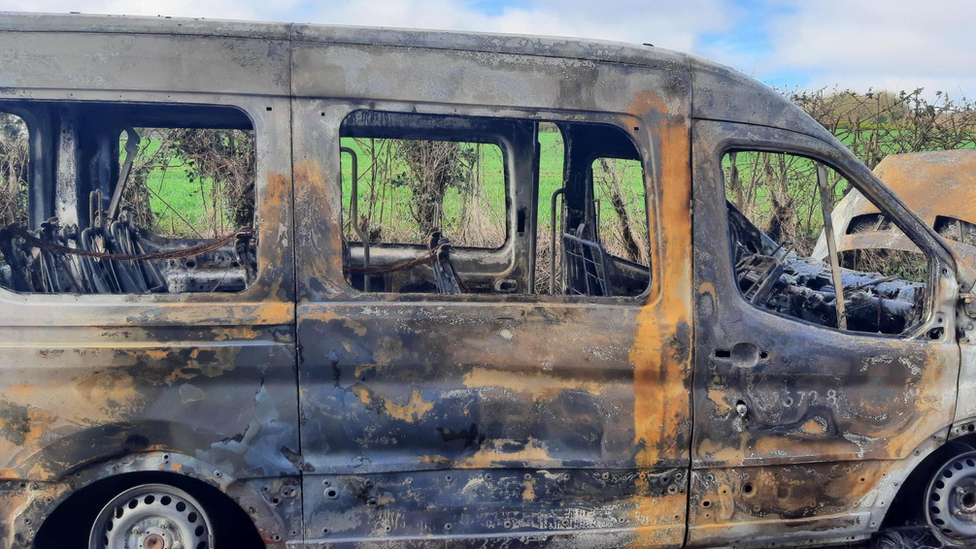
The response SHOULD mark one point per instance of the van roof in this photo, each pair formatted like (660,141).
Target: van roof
(600,50)
(721,93)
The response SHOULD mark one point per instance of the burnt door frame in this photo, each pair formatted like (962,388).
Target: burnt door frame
(432,417)
(833,420)
(194,384)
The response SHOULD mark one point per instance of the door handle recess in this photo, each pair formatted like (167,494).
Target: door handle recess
(741,355)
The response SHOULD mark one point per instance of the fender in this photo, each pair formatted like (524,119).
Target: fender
(274,504)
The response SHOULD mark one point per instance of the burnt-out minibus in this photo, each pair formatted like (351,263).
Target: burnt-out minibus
(335,287)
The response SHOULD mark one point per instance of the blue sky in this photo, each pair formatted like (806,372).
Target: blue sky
(858,44)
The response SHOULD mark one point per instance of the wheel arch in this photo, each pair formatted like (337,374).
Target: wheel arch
(273,505)
(907,504)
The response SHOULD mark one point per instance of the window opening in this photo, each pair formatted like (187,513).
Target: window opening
(134,199)
(777,205)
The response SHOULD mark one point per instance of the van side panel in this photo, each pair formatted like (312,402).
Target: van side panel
(521,419)
(201,385)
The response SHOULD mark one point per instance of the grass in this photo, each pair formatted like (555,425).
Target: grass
(474,213)
(182,206)
(391,204)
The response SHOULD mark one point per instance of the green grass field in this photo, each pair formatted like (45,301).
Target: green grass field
(181,206)
(392,203)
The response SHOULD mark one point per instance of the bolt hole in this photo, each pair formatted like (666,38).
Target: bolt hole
(332,493)
(969,500)
(747,488)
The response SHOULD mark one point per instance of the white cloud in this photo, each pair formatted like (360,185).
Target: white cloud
(673,24)
(229,9)
(895,44)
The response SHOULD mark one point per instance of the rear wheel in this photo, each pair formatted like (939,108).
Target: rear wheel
(950,502)
(152,516)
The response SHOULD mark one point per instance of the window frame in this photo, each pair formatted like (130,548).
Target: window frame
(506,175)
(793,148)
(645,202)
(645,143)
(260,115)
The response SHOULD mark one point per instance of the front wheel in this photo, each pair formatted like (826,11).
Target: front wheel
(950,502)
(152,516)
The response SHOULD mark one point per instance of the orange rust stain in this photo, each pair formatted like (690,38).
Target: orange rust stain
(647,101)
(356,327)
(661,354)
(812,426)
(539,385)
(931,183)
(410,412)
(312,184)
(817,492)
(719,398)
(661,362)
(22,391)
(491,454)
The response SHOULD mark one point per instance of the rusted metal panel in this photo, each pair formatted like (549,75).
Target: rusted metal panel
(339,418)
(932,184)
(202,385)
(940,188)
(125,62)
(532,420)
(819,407)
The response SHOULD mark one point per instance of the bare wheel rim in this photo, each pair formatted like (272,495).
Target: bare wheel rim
(950,503)
(152,516)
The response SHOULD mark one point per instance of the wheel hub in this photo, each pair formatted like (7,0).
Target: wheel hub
(152,516)
(951,501)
